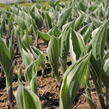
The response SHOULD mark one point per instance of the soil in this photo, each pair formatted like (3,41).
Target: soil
(48,94)
(48,88)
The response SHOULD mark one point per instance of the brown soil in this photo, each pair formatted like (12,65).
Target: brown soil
(49,95)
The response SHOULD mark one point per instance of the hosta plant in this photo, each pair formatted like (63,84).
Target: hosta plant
(53,55)
(7,62)
(88,65)
(27,99)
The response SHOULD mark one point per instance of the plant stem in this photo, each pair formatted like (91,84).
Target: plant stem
(34,86)
(63,66)
(9,90)
(89,98)
(10,97)
(107,96)
(99,92)
(1,70)
(96,77)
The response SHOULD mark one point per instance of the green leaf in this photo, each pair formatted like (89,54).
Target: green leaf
(41,57)
(77,44)
(106,55)
(74,76)
(54,31)
(87,34)
(29,72)
(84,29)
(98,75)
(53,55)
(99,36)
(33,84)
(79,21)
(26,99)
(47,21)
(32,69)
(82,6)
(65,36)
(96,22)
(36,15)
(5,58)
(27,57)
(64,16)
(26,41)
(105,76)
(44,36)
(20,21)
(106,65)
